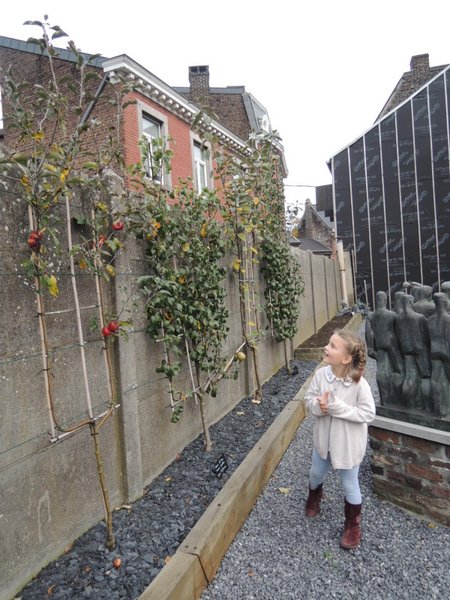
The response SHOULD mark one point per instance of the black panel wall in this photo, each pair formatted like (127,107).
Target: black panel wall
(391,195)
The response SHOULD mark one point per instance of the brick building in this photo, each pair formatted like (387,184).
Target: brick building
(159,111)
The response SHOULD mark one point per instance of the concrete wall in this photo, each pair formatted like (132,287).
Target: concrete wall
(49,492)
(322,293)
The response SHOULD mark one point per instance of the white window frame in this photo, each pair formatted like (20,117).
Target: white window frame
(151,114)
(203,165)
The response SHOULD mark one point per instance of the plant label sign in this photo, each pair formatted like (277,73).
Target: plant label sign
(220,466)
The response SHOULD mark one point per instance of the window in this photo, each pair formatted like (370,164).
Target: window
(200,172)
(153,133)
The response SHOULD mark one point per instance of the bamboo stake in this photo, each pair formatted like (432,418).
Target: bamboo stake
(252,307)
(77,310)
(44,341)
(254,293)
(247,291)
(106,356)
(68,310)
(272,332)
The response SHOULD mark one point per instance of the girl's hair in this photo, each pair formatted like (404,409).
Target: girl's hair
(357,350)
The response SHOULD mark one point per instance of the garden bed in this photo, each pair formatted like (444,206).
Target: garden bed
(149,531)
(320,339)
(312,348)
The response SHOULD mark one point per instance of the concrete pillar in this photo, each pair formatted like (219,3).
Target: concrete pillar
(312,289)
(325,278)
(341,260)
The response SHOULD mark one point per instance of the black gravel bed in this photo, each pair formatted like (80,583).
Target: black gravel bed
(151,529)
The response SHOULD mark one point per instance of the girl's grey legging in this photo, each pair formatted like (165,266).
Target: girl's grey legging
(349,477)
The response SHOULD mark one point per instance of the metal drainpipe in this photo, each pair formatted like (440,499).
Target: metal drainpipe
(94,100)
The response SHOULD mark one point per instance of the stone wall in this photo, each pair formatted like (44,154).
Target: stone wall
(411,467)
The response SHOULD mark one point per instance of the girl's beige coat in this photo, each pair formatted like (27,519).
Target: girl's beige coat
(343,431)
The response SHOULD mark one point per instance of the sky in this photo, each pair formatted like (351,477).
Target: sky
(323,70)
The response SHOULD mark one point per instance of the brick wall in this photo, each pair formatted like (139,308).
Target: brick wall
(231,112)
(31,69)
(229,109)
(412,472)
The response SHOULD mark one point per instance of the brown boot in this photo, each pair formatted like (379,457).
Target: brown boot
(312,508)
(352,530)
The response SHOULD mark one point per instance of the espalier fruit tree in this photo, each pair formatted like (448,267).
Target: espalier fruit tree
(253,214)
(54,165)
(184,288)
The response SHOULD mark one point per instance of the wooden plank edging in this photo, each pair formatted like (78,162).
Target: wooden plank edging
(198,557)
(354,323)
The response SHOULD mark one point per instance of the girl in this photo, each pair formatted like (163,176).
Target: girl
(341,400)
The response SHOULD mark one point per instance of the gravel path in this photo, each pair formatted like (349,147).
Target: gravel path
(280,554)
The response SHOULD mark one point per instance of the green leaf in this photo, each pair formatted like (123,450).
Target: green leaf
(114,244)
(80,219)
(59,33)
(176,415)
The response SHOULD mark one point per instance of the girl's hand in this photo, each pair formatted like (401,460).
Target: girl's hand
(323,402)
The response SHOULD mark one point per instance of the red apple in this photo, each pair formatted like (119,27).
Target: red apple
(35,239)
(106,332)
(117,226)
(113,326)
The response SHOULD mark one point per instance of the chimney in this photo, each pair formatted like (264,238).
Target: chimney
(420,63)
(199,81)
(309,232)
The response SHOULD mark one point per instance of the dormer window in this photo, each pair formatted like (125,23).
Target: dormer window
(264,123)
